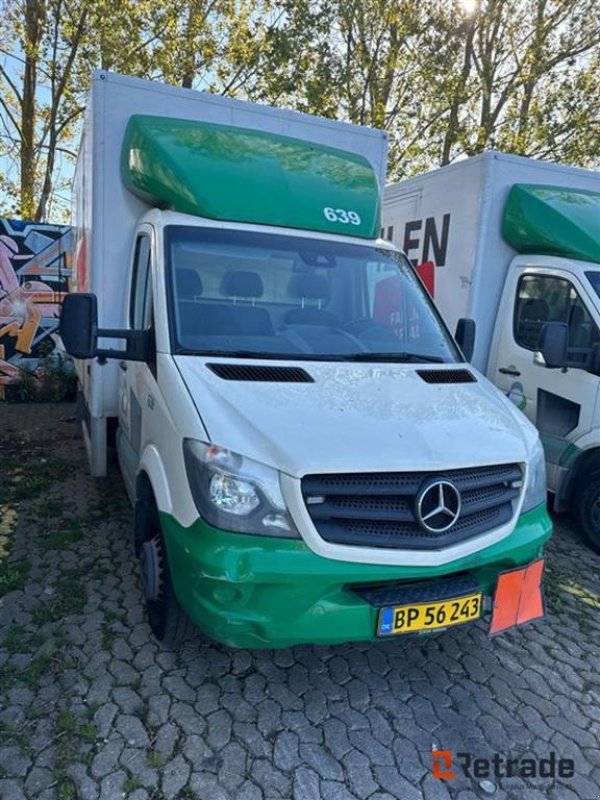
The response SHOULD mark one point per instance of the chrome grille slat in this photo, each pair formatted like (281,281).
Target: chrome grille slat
(393,483)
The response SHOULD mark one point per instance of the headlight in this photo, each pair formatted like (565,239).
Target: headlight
(535,490)
(235,493)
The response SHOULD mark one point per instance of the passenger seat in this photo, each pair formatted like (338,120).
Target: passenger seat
(244,288)
(189,284)
(198,317)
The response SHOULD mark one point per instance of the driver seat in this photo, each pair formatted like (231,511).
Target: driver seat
(315,289)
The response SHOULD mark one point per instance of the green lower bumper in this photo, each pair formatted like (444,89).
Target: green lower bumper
(254,592)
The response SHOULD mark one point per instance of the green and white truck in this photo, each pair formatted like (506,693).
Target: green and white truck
(514,244)
(310,455)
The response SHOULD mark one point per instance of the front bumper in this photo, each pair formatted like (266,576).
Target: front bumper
(257,592)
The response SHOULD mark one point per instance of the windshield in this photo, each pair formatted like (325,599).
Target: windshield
(262,295)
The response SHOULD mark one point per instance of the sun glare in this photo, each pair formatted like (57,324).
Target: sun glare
(469,6)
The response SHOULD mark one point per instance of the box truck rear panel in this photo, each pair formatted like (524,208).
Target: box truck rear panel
(471,266)
(435,218)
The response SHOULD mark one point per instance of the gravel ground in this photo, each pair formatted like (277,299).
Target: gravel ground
(92,707)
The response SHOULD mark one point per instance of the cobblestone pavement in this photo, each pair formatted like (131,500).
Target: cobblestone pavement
(92,707)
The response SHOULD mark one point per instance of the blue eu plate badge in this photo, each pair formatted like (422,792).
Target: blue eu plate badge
(386,620)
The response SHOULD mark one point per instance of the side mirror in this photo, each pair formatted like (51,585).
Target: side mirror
(78,326)
(79,331)
(554,340)
(465,336)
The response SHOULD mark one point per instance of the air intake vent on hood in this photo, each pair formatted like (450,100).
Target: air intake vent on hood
(255,372)
(447,375)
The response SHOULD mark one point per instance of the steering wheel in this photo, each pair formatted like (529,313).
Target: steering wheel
(359,326)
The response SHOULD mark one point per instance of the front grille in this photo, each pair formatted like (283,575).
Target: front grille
(379,509)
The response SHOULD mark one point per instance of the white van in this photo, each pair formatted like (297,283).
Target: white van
(514,244)
(310,455)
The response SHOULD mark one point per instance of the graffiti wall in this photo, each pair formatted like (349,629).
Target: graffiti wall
(35,266)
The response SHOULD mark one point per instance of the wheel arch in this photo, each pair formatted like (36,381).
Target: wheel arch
(151,470)
(587,463)
(151,493)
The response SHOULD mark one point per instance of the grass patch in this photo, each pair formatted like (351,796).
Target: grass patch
(32,675)
(70,532)
(66,722)
(50,662)
(32,477)
(16,639)
(48,509)
(130,784)
(74,739)
(88,732)
(154,759)
(13,575)
(29,486)
(565,593)
(66,789)
(69,598)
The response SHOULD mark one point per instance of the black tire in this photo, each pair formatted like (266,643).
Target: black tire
(587,511)
(168,621)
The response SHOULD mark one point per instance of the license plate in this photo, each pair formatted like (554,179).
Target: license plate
(416,617)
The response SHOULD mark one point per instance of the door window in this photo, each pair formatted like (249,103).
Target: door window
(140,310)
(546,298)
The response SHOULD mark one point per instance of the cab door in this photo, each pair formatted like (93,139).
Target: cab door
(560,402)
(137,378)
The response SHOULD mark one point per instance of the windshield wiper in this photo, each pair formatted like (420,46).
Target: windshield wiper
(392,357)
(184,351)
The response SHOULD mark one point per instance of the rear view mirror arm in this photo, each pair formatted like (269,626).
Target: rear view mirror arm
(136,348)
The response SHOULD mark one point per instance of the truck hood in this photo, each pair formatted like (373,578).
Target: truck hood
(358,417)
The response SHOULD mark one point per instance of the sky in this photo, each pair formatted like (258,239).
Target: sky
(60,202)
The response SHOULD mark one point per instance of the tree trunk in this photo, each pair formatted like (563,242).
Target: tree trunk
(33,13)
(189,47)
(452,130)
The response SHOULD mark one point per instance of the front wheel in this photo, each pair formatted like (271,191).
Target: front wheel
(587,511)
(168,621)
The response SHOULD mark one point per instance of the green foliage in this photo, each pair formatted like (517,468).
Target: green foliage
(15,639)
(13,575)
(444,77)
(70,532)
(448,77)
(69,598)
(30,676)
(56,44)
(53,380)
(24,481)
(154,759)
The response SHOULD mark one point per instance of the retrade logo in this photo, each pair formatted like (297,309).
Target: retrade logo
(438,505)
(499,766)
(442,765)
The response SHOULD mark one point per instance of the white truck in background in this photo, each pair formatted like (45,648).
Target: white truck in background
(514,244)
(310,456)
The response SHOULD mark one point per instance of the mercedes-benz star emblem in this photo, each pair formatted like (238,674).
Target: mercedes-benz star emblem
(438,505)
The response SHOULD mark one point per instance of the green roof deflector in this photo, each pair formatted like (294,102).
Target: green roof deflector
(241,175)
(553,220)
